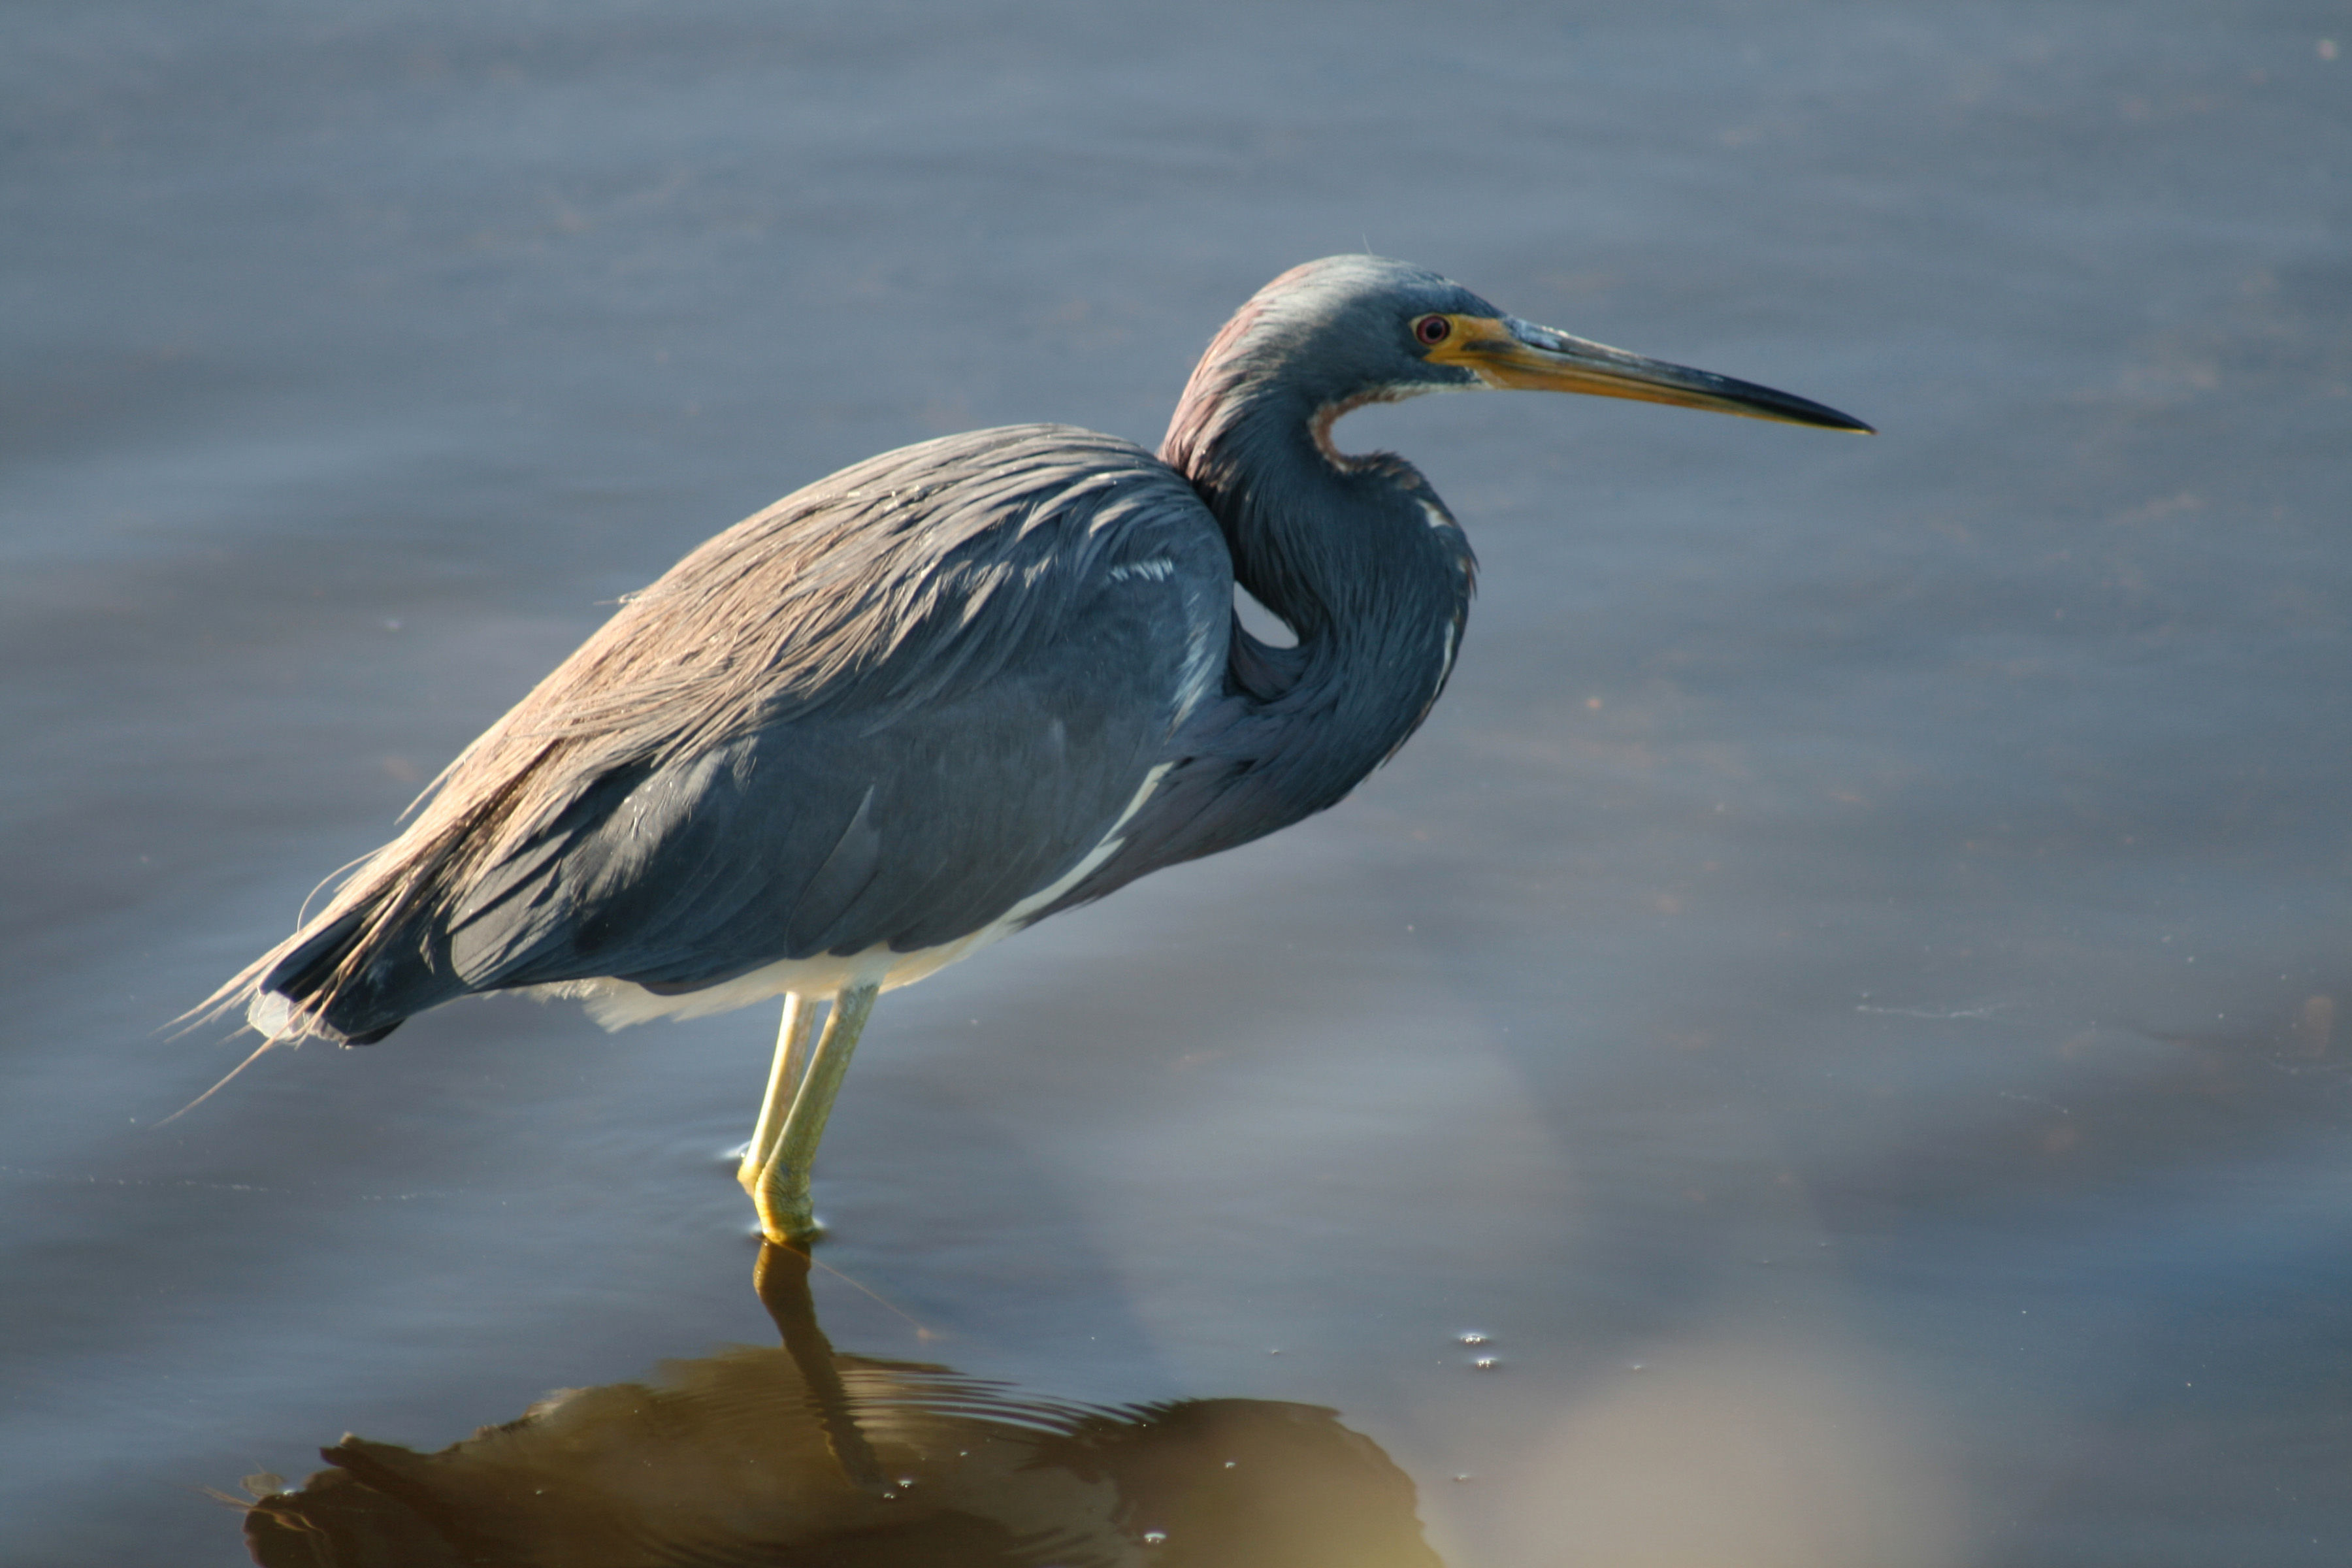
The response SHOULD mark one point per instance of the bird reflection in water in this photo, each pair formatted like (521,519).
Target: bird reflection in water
(799,1456)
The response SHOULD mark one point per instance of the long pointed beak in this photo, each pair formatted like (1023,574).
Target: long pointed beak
(1510,352)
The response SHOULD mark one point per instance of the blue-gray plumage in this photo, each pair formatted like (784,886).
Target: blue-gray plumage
(951,691)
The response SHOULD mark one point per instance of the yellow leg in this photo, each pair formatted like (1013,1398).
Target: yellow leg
(784,1082)
(782,1189)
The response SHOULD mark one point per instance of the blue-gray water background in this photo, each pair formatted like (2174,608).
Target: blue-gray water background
(1849,992)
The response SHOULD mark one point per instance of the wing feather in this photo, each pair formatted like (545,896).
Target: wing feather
(881,711)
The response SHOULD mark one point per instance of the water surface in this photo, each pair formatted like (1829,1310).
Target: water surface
(1842,1006)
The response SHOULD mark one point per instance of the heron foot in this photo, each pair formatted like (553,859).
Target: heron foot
(787,1215)
(747,1177)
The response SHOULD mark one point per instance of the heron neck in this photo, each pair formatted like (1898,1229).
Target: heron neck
(1356,554)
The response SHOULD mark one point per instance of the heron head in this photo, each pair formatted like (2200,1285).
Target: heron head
(1350,329)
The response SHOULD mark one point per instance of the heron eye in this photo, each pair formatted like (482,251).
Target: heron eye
(1433,330)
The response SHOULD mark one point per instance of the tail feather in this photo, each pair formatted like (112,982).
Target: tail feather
(378,952)
(349,976)
(359,987)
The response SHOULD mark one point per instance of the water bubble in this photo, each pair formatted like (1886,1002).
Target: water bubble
(1472,1338)
(1486,1363)
(1154,1536)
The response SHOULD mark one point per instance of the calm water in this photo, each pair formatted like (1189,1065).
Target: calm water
(1848,996)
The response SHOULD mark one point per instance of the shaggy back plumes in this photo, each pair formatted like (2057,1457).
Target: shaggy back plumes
(885,586)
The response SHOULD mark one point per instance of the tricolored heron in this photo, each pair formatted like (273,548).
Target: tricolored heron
(952,690)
